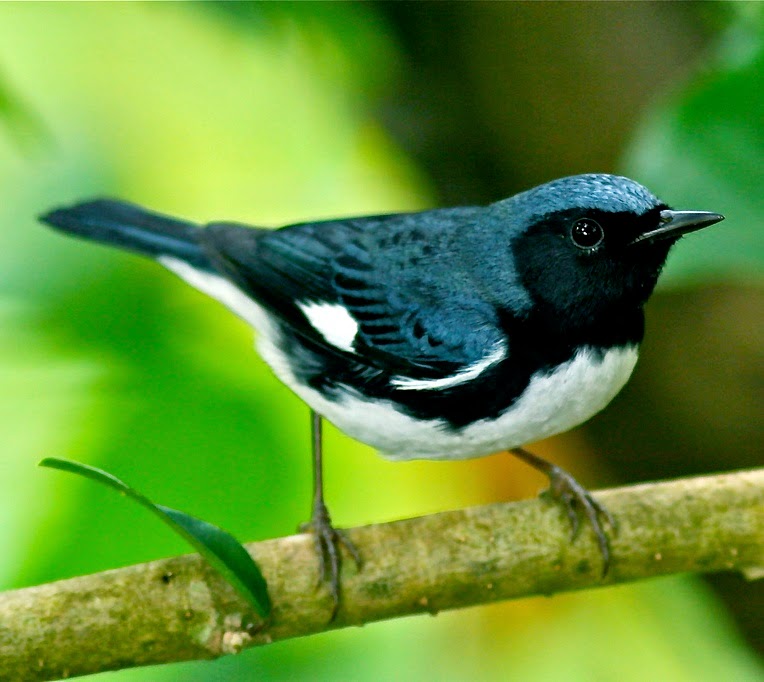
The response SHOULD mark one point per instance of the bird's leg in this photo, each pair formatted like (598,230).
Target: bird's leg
(328,539)
(576,500)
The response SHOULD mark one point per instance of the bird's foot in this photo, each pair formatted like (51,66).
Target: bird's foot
(328,542)
(578,502)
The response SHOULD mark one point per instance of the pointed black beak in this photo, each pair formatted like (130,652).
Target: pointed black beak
(674,224)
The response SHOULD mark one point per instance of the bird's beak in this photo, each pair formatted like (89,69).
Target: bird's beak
(676,223)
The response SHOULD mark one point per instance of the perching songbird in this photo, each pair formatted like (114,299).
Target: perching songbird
(443,334)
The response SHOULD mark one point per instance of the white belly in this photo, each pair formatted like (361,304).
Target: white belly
(551,404)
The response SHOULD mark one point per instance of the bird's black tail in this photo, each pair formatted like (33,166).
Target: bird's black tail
(131,227)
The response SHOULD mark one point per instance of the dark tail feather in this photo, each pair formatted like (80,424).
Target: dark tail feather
(131,227)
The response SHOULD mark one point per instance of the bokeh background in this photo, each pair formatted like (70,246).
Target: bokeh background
(278,112)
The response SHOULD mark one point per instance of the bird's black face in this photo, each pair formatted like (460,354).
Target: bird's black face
(580,265)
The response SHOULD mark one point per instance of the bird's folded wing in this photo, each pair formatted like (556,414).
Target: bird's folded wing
(396,307)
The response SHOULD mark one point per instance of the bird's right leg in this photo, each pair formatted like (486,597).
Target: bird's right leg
(575,499)
(328,539)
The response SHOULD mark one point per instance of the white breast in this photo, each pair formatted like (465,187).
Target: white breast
(551,404)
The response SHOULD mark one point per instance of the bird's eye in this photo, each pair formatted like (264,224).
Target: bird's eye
(586,233)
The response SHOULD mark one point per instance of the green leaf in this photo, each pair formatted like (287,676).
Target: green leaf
(219,548)
(224,553)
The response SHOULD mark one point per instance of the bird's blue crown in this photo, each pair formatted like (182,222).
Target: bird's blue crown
(612,193)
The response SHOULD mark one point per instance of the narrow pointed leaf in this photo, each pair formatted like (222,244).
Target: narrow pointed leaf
(224,553)
(219,548)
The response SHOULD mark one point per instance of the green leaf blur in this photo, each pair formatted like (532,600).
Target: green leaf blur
(219,548)
(271,113)
(707,145)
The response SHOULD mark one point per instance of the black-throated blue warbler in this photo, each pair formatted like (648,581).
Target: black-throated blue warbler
(444,334)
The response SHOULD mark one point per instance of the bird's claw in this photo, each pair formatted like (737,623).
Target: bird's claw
(328,540)
(578,501)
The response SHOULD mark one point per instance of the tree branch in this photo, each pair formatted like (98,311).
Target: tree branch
(179,609)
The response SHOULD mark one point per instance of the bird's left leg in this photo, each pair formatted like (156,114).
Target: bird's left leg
(328,539)
(576,500)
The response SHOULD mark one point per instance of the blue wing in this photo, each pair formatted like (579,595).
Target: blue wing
(397,276)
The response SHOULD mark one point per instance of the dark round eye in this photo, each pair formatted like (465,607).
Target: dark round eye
(586,233)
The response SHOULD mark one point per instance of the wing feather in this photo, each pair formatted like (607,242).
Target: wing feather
(395,276)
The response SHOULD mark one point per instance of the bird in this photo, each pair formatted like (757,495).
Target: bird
(441,334)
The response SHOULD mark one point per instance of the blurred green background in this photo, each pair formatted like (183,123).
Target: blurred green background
(280,112)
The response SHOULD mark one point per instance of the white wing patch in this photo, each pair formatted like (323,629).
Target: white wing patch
(333,322)
(464,375)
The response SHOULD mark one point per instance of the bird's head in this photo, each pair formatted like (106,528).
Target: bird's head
(590,245)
